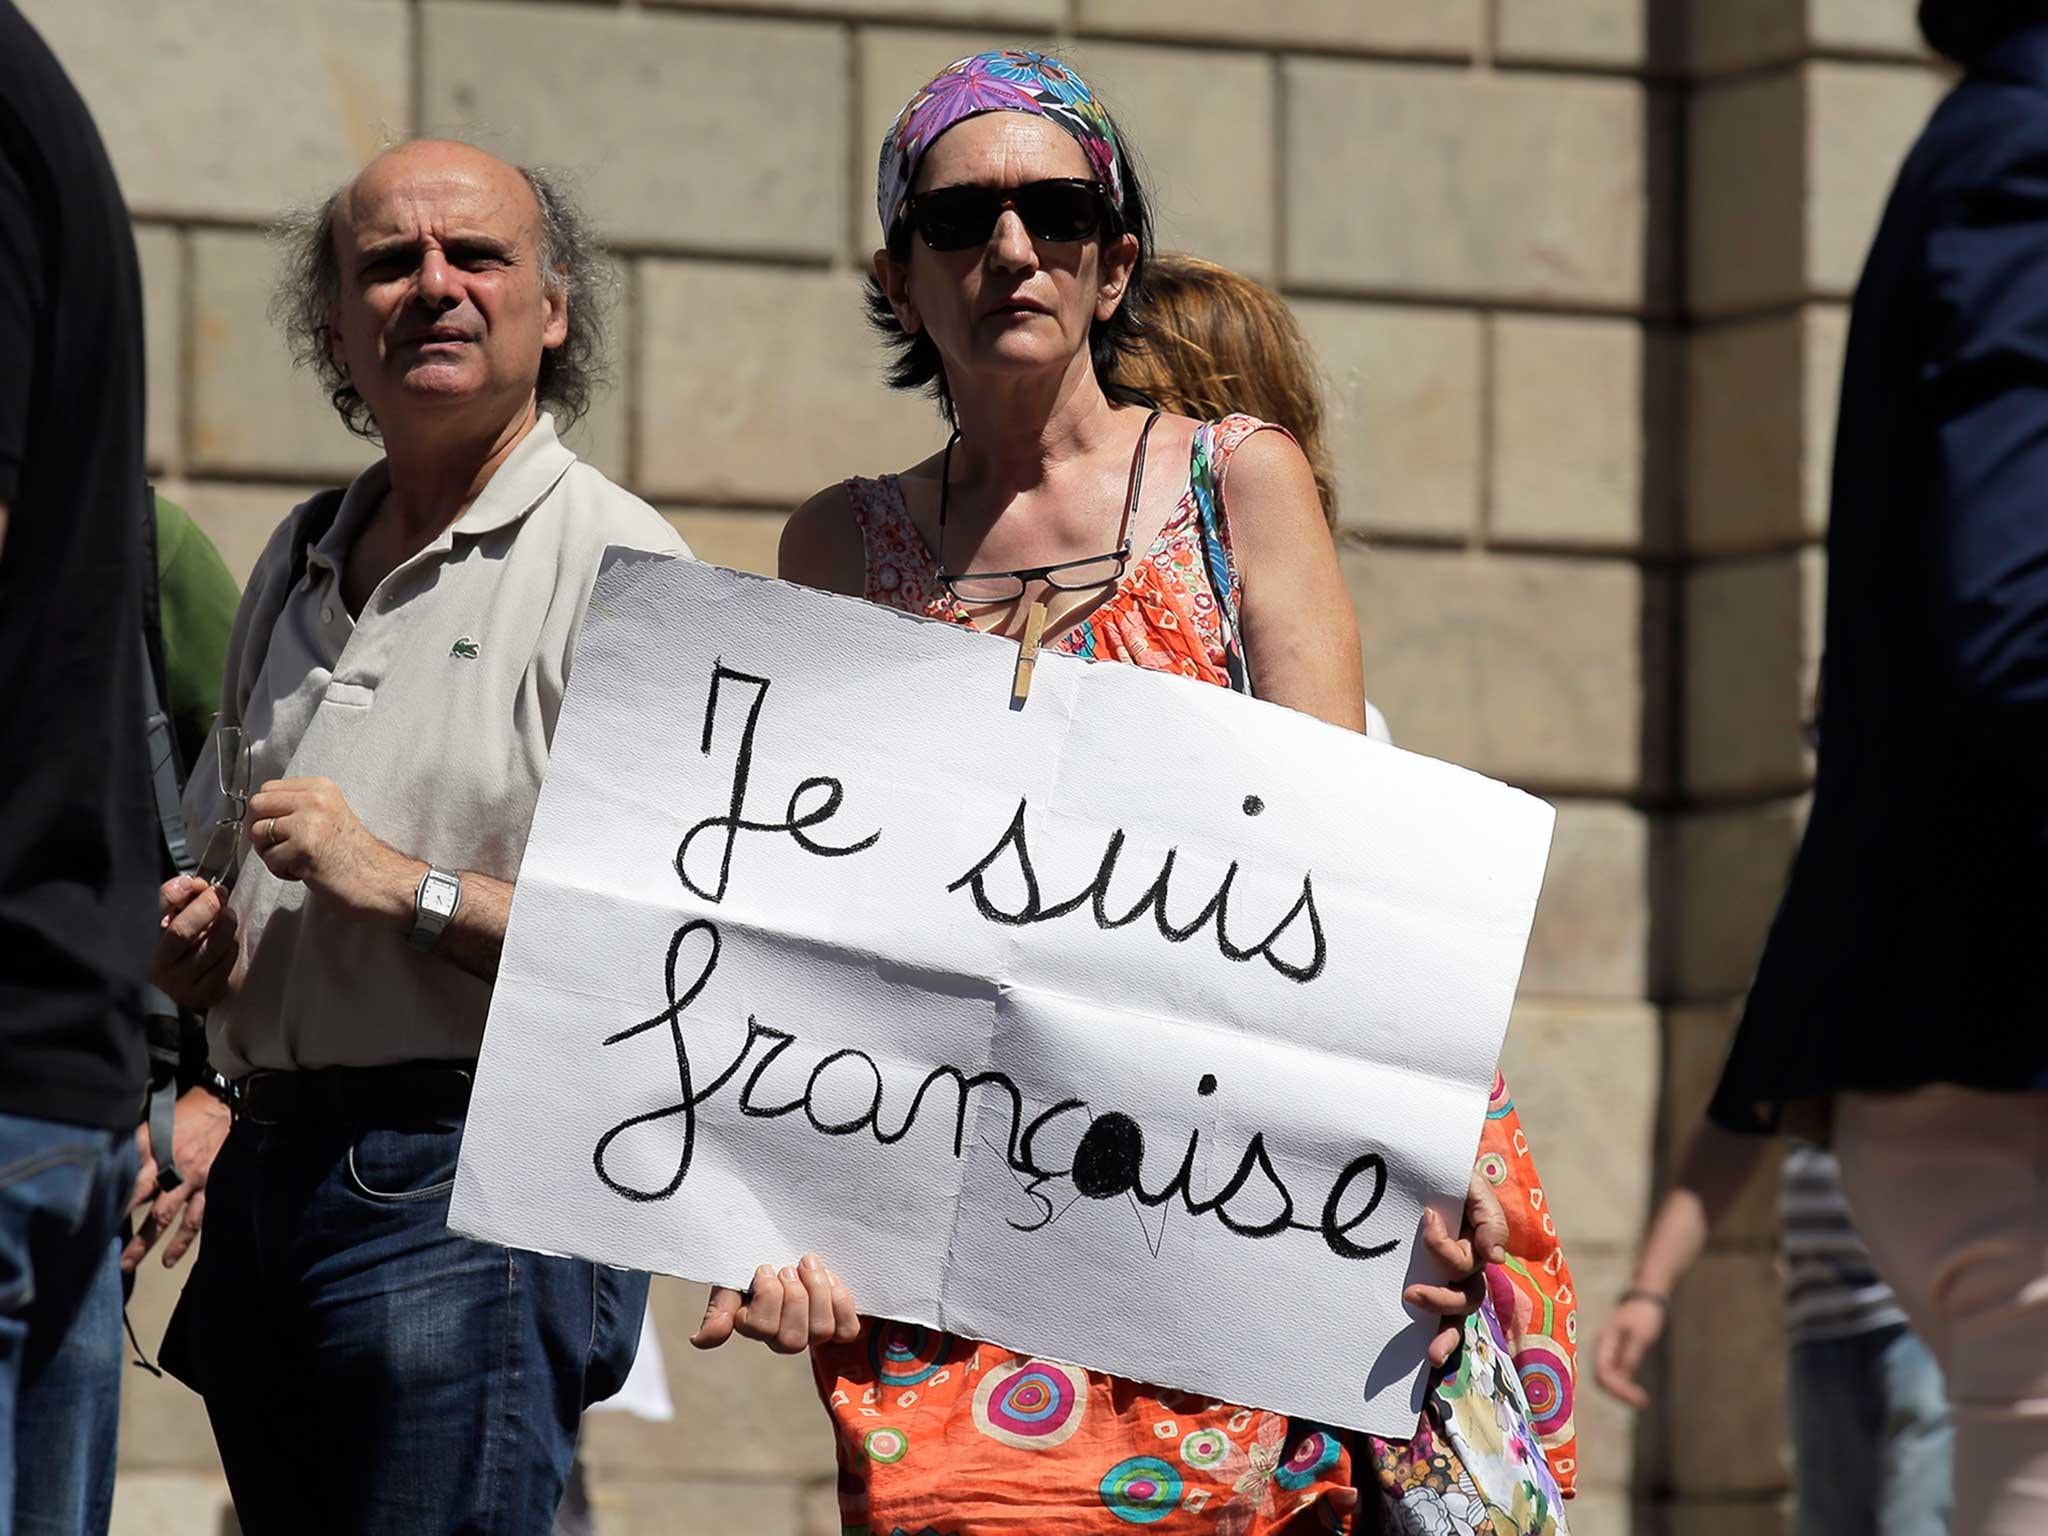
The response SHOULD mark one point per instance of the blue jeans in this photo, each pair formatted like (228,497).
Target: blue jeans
(365,1369)
(62,1192)
(1870,1425)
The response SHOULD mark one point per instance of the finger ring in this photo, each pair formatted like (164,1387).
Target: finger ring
(269,825)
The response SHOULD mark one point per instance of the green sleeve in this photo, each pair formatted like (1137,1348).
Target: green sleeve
(199,598)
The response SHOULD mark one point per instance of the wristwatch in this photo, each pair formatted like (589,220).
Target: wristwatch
(434,905)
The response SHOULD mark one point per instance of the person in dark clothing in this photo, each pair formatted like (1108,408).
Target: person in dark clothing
(1901,996)
(77,863)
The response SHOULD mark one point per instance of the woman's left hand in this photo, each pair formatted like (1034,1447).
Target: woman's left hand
(789,1310)
(1483,1240)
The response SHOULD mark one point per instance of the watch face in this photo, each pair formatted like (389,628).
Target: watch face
(437,895)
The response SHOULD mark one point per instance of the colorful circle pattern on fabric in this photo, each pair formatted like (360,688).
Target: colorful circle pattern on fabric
(887,1446)
(904,1354)
(1309,1460)
(1498,1104)
(1032,1405)
(1546,1373)
(1206,1448)
(1494,1168)
(1141,1491)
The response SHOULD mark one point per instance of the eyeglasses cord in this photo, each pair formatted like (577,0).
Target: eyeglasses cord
(1123,535)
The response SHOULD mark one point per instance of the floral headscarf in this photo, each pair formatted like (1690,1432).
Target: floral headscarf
(1001,80)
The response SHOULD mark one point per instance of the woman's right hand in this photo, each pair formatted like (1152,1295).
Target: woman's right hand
(789,1310)
(197,943)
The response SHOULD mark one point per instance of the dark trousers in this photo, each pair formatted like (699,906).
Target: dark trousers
(365,1369)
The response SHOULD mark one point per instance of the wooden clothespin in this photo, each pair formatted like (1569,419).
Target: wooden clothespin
(1027,655)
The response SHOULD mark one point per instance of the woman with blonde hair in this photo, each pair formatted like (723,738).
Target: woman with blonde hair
(1216,341)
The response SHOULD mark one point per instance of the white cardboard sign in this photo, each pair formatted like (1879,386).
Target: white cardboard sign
(1133,1028)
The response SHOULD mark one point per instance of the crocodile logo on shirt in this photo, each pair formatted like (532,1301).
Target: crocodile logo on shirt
(466,648)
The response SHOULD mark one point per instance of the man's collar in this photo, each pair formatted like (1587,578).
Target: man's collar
(519,484)
(515,488)
(358,505)
(2021,57)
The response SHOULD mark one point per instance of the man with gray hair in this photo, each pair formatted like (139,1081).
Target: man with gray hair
(393,681)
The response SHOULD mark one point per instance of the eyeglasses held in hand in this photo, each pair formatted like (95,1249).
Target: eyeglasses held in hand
(957,218)
(223,855)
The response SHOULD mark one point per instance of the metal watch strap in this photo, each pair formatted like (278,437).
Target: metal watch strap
(427,924)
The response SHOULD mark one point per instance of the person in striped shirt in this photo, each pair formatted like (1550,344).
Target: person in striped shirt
(1872,1440)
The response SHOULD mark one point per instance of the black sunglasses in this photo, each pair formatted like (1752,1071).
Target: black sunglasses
(955,218)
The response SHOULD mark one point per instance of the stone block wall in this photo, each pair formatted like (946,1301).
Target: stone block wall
(1575,272)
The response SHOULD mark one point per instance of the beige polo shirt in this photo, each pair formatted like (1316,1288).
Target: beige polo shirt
(433,710)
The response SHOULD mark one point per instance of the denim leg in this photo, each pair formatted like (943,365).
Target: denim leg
(62,1189)
(441,1380)
(233,1338)
(71,1414)
(1919,1440)
(615,1336)
(1837,1433)
(458,1370)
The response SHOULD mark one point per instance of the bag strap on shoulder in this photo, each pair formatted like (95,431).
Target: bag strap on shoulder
(1207,484)
(315,521)
(176,1045)
(163,1023)
(310,524)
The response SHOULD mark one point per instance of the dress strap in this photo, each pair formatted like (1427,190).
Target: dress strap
(873,504)
(901,572)
(1215,443)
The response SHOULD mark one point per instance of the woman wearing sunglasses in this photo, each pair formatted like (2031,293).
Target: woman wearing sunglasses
(1009,285)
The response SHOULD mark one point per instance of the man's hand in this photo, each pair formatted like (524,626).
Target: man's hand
(1482,1241)
(303,829)
(199,1127)
(197,942)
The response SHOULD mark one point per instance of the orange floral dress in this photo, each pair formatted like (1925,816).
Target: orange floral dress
(938,1435)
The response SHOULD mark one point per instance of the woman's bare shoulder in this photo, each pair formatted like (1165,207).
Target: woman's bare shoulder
(1267,470)
(822,545)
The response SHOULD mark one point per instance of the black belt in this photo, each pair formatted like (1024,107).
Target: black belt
(395,1095)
